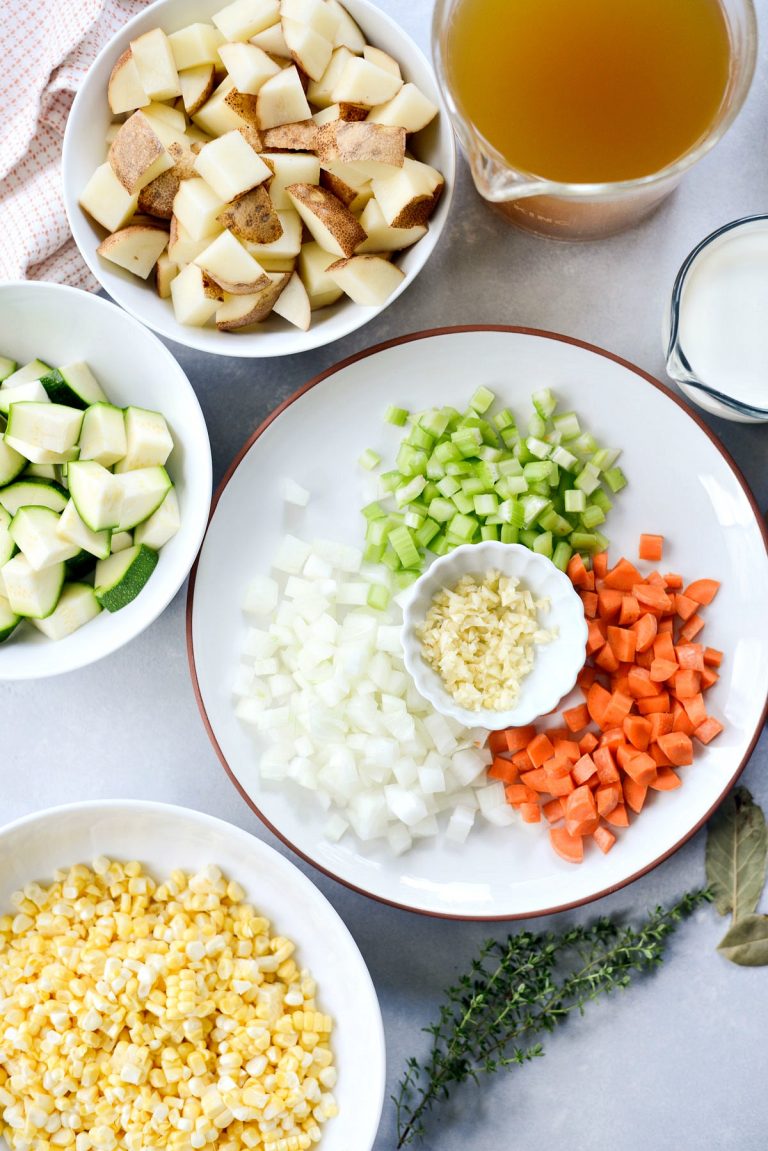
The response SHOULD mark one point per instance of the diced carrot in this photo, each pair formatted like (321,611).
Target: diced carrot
(518,793)
(563,786)
(664,647)
(640,683)
(503,769)
(612,737)
(618,817)
(583,770)
(530,812)
(597,701)
(607,772)
(595,636)
(695,709)
(712,657)
(651,548)
(600,564)
(623,643)
(556,768)
(680,720)
(692,627)
(586,678)
(634,795)
(522,760)
(667,624)
(707,730)
(620,680)
(497,742)
(685,607)
(518,738)
(568,748)
(536,779)
(609,603)
(709,678)
(576,571)
(588,743)
(641,768)
(647,628)
(568,847)
(658,756)
(617,709)
(686,684)
(638,731)
(690,656)
(656,579)
(540,749)
(703,590)
(623,576)
(554,734)
(607,798)
(653,703)
(645,658)
(604,839)
(553,810)
(589,599)
(630,611)
(576,718)
(677,747)
(581,812)
(666,779)
(673,580)
(606,659)
(652,597)
(660,724)
(662,669)
(624,753)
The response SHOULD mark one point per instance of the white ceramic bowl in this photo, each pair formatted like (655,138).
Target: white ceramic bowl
(163,837)
(556,664)
(84,150)
(60,325)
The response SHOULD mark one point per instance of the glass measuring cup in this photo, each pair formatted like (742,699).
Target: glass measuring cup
(582,211)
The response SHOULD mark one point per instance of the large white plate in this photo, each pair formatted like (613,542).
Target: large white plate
(682,485)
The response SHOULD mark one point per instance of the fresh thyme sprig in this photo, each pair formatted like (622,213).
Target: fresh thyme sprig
(519,988)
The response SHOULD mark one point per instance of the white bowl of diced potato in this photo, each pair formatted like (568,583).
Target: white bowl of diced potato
(105,478)
(258,178)
(237,925)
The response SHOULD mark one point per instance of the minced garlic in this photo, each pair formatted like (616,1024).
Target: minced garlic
(138,1016)
(480,638)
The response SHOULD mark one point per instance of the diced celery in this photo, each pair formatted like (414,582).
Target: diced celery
(509,436)
(458,468)
(533,506)
(446,452)
(602,541)
(404,547)
(537,427)
(467,440)
(372,553)
(374,511)
(405,578)
(472,486)
(544,402)
(563,458)
(538,447)
(482,400)
(504,419)
(588,480)
(585,444)
(510,467)
(435,470)
(411,461)
(421,438)
(592,517)
(396,416)
(429,493)
(551,521)
(439,545)
(605,458)
(489,532)
(561,555)
(512,512)
(369,459)
(413,517)
(537,470)
(377,531)
(486,504)
(567,424)
(541,488)
(435,421)
(391,559)
(463,527)
(528,538)
(448,486)
(410,491)
(463,503)
(575,501)
(512,486)
(378,596)
(615,479)
(543,544)
(600,499)
(388,481)
(509,534)
(441,510)
(584,542)
(426,532)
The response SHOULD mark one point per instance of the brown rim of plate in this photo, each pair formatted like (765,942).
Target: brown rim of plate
(407,339)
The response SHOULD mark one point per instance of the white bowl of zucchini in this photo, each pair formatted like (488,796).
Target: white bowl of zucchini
(105,479)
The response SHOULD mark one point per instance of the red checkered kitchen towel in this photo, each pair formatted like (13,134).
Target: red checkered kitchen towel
(46,47)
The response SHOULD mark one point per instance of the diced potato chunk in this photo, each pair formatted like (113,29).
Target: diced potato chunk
(191,304)
(249,66)
(105,198)
(231,166)
(135,248)
(197,207)
(364,83)
(310,50)
(409,109)
(156,66)
(195,45)
(244,18)
(289,169)
(228,263)
(368,280)
(137,155)
(281,100)
(124,90)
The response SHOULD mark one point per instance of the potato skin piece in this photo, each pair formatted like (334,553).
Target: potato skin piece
(331,213)
(252,217)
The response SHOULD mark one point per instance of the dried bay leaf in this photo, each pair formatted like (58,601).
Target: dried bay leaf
(746,943)
(737,847)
